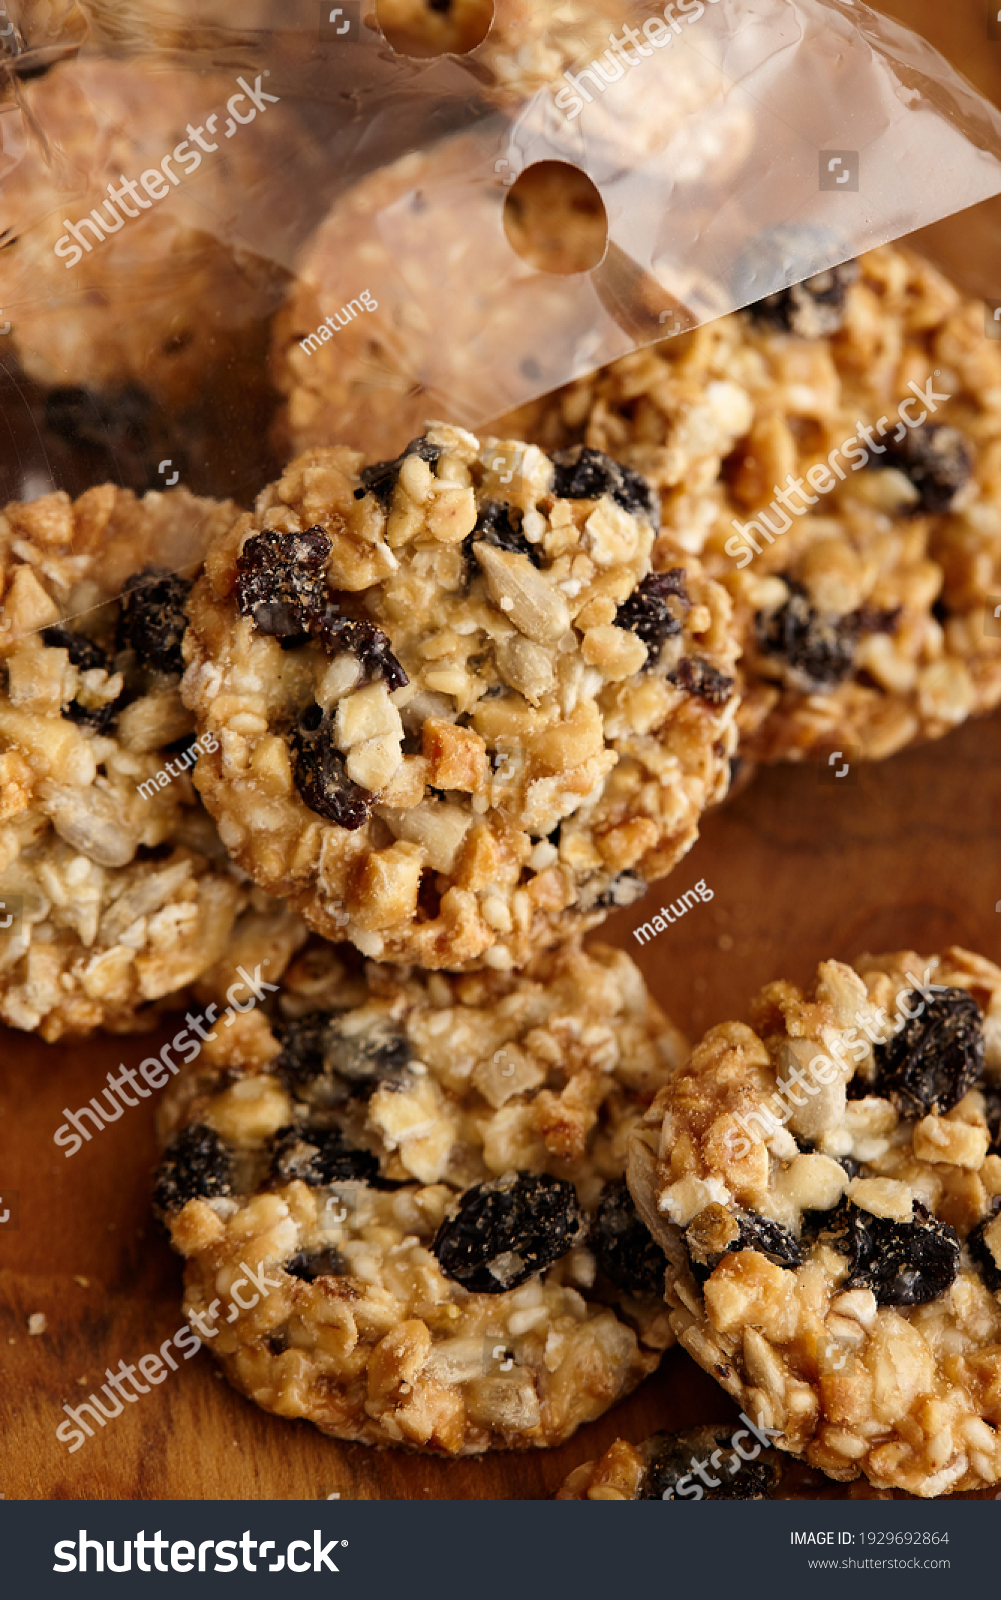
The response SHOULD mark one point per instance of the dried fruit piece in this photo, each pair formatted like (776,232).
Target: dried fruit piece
(195,1166)
(281,582)
(983,1255)
(627,1253)
(672,1457)
(717,1232)
(318,1045)
(86,656)
(935,1058)
(366,642)
(812,309)
(302,1040)
(327,1263)
(506,1231)
(819,649)
(321,777)
(496,525)
(903,1263)
(381,477)
(379,1056)
(586,474)
(320,1157)
(649,613)
(82,651)
(151,617)
(938,460)
(701,678)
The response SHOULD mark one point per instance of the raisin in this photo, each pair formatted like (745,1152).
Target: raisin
(812,309)
(626,1251)
(366,642)
(935,1058)
(937,459)
(378,1057)
(151,618)
(281,581)
(506,1231)
(381,477)
(586,474)
(647,612)
(195,1166)
(820,650)
(497,525)
(321,777)
(903,1263)
(717,1232)
(669,1458)
(983,1255)
(701,678)
(318,1045)
(319,1158)
(327,1263)
(83,652)
(85,655)
(301,1056)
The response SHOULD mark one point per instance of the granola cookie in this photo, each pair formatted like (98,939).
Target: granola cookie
(116,892)
(428,1172)
(825,1183)
(521,46)
(458,715)
(150,342)
(708,1463)
(437,285)
(867,616)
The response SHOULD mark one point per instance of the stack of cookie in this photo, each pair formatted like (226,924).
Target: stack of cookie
(435,717)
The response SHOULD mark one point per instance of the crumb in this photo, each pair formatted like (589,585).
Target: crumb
(83,1282)
(37,1322)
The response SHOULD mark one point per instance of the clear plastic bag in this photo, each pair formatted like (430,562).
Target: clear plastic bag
(736,149)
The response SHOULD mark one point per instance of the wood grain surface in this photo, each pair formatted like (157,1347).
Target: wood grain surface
(903,854)
(802,867)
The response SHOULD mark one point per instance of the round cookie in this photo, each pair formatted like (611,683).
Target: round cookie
(458,716)
(116,892)
(866,621)
(407,302)
(423,1176)
(825,1183)
(148,341)
(708,1463)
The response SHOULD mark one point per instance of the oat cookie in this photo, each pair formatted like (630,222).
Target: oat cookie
(865,621)
(162,306)
(709,1463)
(523,45)
(458,715)
(117,890)
(428,1171)
(826,1184)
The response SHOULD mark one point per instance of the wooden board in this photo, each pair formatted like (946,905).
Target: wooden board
(904,854)
(901,854)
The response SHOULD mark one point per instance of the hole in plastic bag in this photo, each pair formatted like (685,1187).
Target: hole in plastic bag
(555,219)
(425,28)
